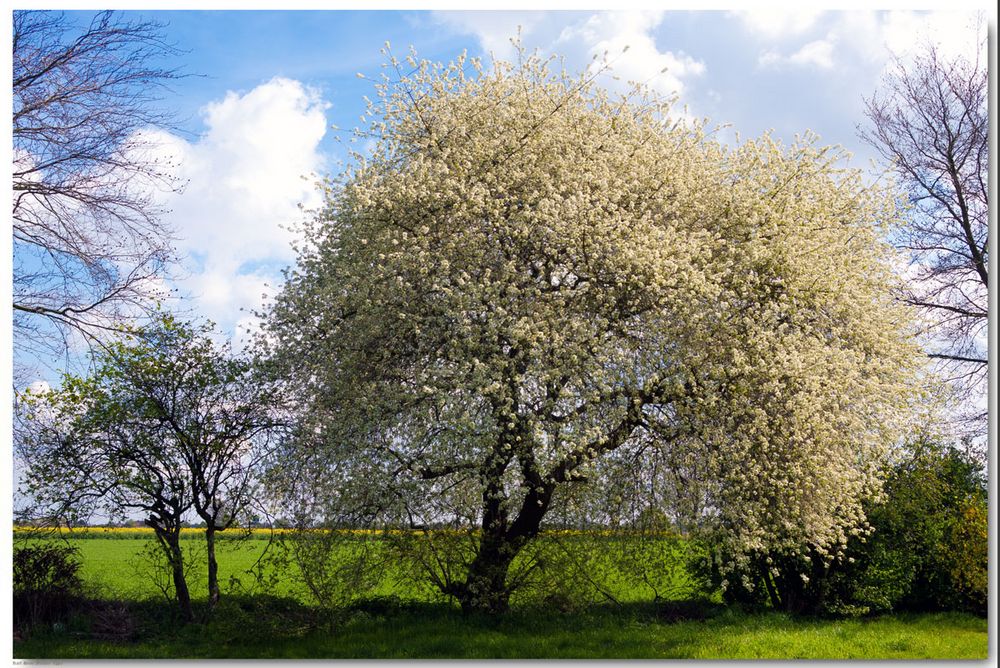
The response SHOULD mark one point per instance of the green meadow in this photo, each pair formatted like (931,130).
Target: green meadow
(399,620)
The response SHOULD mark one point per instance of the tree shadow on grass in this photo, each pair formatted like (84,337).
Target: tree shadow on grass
(389,627)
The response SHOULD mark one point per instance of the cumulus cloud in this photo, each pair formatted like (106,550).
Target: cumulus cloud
(493,29)
(580,36)
(906,32)
(874,36)
(818,53)
(776,23)
(246,177)
(613,32)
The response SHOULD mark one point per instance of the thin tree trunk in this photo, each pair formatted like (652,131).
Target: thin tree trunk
(176,559)
(772,591)
(213,567)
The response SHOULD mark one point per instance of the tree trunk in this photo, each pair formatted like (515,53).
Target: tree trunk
(485,589)
(213,567)
(176,559)
(772,589)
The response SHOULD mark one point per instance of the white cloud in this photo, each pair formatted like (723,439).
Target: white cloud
(818,53)
(769,58)
(38,387)
(775,23)
(907,32)
(493,29)
(578,37)
(246,177)
(222,291)
(875,36)
(613,32)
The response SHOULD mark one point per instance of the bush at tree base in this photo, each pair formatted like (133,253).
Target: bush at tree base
(46,584)
(926,549)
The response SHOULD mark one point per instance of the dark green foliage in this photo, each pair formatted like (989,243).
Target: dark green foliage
(111,620)
(926,549)
(796,583)
(966,550)
(251,618)
(46,584)
(692,609)
(379,606)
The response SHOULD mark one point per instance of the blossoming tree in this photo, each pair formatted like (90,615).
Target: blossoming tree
(527,274)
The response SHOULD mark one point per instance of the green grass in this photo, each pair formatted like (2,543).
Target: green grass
(437,631)
(119,569)
(409,624)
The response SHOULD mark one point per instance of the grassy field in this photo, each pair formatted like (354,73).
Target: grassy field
(397,622)
(120,569)
(436,631)
(116,565)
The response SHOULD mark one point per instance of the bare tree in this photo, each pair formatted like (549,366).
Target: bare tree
(930,121)
(88,241)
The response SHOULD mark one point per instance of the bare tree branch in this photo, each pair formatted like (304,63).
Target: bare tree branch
(89,245)
(930,122)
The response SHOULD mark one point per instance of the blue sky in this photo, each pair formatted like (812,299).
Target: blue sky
(255,119)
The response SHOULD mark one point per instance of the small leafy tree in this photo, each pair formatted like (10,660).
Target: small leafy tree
(527,278)
(167,424)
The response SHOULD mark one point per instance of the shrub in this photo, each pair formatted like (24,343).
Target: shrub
(46,584)
(334,567)
(111,621)
(569,570)
(926,549)
(930,534)
(685,610)
(965,551)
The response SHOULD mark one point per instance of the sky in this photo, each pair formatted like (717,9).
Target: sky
(254,119)
(253,131)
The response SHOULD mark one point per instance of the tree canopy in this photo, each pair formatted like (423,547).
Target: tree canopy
(527,275)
